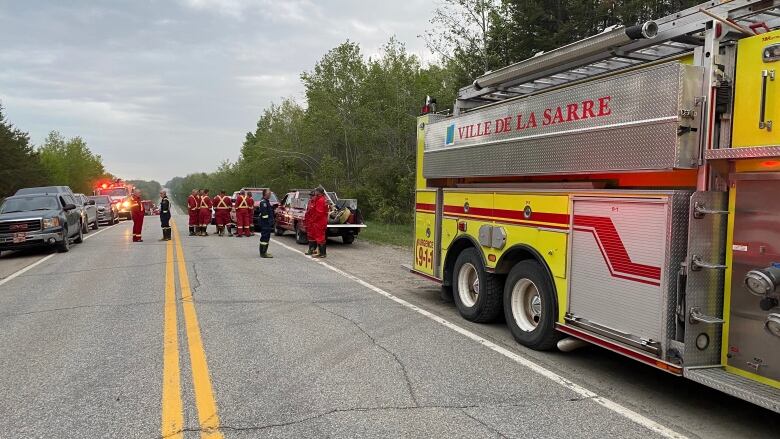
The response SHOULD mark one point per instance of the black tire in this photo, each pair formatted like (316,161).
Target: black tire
(95,225)
(534,328)
(278,231)
(300,237)
(64,246)
(80,237)
(348,238)
(486,306)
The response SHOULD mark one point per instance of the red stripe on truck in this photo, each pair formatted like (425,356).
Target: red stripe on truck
(614,252)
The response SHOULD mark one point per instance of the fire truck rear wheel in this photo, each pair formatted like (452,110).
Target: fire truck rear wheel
(530,306)
(476,292)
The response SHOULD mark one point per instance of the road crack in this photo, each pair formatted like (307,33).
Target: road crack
(70,308)
(87,270)
(196,284)
(376,343)
(460,407)
(482,423)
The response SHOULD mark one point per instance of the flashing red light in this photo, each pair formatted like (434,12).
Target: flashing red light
(104,185)
(771,163)
(462,226)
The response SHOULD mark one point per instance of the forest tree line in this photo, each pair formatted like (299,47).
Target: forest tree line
(356,132)
(58,161)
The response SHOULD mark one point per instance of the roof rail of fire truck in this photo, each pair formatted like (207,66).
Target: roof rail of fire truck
(618,48)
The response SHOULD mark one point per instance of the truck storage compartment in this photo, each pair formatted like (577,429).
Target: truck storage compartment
(625,254)
(640,120)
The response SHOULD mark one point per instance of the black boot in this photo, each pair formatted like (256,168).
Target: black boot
(321,253)
(312,248)
(192,230)
(167,234)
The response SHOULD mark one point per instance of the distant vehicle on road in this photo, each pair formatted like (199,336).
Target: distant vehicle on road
(44,190)
(120,195)
(39,220)
(107,212)
(150,208)
(344,220)
(257,195)
(88,210)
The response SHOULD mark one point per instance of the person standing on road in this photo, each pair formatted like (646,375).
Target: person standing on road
(241,206)
(137,213)
(222,206)
(319,222)
(165,216)
(308,224)
(266,223)
(205,212)
(193,211)
(250,219)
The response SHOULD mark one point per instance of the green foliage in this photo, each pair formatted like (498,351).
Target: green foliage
(150,190)
(20,165)
(401,235)
(69,162)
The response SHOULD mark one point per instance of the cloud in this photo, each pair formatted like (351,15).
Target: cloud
(161,89)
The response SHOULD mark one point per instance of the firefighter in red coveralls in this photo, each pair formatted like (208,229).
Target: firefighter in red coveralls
(222,206)
(193,211)
(308,224)
(242,208)
(250,214)
(319,222)
(205,212)
(137,213)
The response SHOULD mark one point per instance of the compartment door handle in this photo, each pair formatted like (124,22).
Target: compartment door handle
(766,76)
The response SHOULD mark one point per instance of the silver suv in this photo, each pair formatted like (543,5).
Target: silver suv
(89,211)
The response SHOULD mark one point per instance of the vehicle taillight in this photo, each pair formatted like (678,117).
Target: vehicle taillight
(351,219)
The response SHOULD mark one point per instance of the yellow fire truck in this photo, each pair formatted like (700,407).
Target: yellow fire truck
(623,190)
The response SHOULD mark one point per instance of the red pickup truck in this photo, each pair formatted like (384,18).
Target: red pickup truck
(344,220)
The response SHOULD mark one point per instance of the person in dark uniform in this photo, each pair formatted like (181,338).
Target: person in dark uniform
(165,216)
(266,223)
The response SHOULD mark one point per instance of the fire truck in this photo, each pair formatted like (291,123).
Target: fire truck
(119,191)
(621,190)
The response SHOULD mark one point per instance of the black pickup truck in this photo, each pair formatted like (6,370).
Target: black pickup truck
(40,219)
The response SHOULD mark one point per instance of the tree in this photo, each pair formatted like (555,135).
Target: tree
(21,165)
(69,162)
(150,190)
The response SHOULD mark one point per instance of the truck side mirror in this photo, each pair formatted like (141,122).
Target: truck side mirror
(68,207)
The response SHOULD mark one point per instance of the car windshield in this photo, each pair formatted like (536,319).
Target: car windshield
(115,192)
(258,195)
(26,204)
(101,199)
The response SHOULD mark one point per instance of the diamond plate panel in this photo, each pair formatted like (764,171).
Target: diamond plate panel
(677,249)
(757,152)
(735,385)
(640,131)
(704,288)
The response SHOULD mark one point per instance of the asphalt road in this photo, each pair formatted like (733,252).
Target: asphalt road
(201,338)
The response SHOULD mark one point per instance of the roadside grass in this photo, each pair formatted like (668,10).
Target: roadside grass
(388,234)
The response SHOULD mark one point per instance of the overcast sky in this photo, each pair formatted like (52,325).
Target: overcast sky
(161,88)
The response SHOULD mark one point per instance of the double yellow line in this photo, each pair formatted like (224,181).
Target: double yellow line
(172,407)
